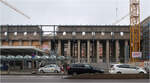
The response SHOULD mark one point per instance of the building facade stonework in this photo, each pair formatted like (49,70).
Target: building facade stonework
(87,44)
(84,43)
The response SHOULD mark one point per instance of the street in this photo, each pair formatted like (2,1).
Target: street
(59,79)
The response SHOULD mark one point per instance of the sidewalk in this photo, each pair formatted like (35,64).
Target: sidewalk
(27,73)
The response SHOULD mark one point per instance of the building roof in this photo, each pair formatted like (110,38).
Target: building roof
(146,20)
(20,50)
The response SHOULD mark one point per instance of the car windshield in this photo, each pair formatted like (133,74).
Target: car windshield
(50,66)
(87,66)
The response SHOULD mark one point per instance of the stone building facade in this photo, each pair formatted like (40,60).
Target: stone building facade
(86,44)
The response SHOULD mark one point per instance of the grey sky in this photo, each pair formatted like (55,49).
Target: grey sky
(69,12)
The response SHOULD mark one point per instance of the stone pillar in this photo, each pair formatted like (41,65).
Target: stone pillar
(49,45)
(79,51)
(69,47)
(59,47)
(40,42)
(10,43)
(97,52)
(0,37)
(0,42)
(88,52)
(30,42)
(20,43)
(126,51)
(69,50)
(107,53)
(117,51)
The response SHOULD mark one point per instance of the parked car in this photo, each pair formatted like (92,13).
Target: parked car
(3,67)
(126,69)
(74,69)
(50,68)
(147,66)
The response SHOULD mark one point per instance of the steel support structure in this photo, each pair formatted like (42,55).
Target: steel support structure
(134,27)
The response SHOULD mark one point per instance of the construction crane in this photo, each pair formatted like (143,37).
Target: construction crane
(134,27)
(122,18)
(15,9)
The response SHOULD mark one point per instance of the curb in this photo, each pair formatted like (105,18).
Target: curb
(109,76)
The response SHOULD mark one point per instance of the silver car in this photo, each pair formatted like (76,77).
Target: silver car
(50,68)
(126,69)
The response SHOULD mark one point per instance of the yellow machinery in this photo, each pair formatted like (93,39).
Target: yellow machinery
(15,9)
(134,27)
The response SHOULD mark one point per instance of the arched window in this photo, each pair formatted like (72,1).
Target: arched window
(64,33)
(73,33)
(112,33)
(102,33)
(15,33)
(121,33)
(83,33)
(5,33)
(35,33)
(93,33)
(25,33)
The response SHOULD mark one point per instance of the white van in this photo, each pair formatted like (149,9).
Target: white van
(126,69)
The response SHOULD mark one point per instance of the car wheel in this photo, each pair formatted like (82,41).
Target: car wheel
(56,71)
(74,74)
(41,71)
(141,73)
(118,72)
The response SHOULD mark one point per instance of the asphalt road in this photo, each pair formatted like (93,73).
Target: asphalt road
(60,79)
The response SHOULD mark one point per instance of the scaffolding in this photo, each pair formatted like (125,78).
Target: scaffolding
(134,27)
(146,41)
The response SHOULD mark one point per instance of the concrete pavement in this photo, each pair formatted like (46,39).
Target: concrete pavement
(60,79)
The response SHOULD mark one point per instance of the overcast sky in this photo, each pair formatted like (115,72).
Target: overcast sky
(69,12)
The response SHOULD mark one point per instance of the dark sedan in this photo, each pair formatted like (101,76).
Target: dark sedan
(74,69)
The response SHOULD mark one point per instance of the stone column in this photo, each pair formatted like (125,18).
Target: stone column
(88,52)
(30,42)
(20,43)
(69,47)
(49,45)
(10,43)
(117,51)
(97,52)
(126,51)
(107,53)
(79,51)
(59,47)
(69,50)
(0,37)
(40,42)
(0,42)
